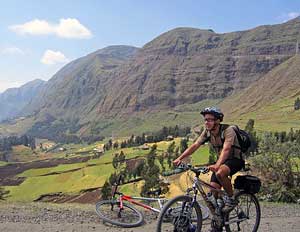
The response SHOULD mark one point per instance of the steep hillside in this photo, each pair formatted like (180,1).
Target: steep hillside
(13,100)
(121,88)
(270,101)
(187,65)
(78,86)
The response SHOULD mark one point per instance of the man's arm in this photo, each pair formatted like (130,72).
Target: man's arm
(187,152)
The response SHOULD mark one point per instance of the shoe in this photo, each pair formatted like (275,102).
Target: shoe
(230,204)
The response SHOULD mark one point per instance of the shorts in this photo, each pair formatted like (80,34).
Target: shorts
(234,165)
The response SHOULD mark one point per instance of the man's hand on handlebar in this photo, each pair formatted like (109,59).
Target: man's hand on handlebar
(214,167)
(177,161)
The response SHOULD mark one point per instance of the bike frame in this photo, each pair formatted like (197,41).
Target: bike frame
(198,184)
(132,200)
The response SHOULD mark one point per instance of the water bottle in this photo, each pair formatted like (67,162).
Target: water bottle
(212,199)
(220,204)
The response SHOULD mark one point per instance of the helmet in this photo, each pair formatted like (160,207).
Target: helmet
(214,111)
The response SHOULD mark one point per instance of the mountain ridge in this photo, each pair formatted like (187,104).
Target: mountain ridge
(13,100)
(184,66)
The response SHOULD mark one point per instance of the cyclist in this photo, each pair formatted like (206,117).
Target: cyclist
(226,145)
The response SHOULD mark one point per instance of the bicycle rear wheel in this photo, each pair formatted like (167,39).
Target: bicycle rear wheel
(245,216)
(180,214)
(109,211)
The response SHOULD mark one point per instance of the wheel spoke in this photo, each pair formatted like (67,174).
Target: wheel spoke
(246,216)
(180,214)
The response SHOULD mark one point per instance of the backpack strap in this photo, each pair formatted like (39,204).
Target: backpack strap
(207,139)
(223,127)
(236,130)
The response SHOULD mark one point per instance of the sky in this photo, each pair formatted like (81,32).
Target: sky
(37,38)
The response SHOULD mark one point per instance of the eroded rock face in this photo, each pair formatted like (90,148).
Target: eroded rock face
(182,66)
(187,65)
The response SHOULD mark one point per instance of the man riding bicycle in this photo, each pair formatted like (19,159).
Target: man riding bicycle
(225,142)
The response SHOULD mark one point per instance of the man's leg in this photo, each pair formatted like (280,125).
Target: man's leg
(215,183)
(222,175)
(229,168)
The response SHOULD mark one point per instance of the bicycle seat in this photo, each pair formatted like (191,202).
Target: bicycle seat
(154,192)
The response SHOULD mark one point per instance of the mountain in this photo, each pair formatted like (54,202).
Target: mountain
(187,65)
(73,91)
(270,99)
(166,81)
(77,86)
(13,100)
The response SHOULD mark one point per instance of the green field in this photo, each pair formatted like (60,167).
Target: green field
(73,178)
(2,163)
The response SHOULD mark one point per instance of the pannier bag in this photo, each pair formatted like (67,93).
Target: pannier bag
(248,183)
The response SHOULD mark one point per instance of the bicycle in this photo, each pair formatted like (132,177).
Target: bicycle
(116,212)
(239,219)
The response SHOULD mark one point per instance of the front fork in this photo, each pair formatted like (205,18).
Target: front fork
(120,206)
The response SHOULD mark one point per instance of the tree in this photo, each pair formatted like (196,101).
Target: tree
(276,162)
(151,172)
(249,126)
(252,133)
(3,193)
(106,190)
(122,157)
(116,145)
(170,153)
(297,104)
(183,145)
(161,161)
(113,178)
(115,161)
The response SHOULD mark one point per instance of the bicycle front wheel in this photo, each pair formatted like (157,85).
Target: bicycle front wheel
(245,216)
(109,211)
(180,214)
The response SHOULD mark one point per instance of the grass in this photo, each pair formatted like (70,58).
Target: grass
(59,168)
(200,157)
(2,163)
(296,168)
(70,182)
(184,115)
(272,116)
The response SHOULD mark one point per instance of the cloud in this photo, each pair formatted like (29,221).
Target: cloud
(66,28)
(53,57)
(12,51)
(72,28)
(288,16)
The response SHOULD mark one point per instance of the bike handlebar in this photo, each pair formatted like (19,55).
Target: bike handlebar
(185,167)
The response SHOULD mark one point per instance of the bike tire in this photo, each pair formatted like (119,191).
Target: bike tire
(109,211)
(247,214)
(173,210)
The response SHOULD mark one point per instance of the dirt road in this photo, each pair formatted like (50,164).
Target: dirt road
(78,218)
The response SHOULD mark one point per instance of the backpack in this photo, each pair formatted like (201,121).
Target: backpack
(242,136)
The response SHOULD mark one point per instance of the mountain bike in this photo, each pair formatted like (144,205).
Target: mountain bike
(115,211)
(188,218)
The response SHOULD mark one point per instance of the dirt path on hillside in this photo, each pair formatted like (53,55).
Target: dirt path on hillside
(78,218)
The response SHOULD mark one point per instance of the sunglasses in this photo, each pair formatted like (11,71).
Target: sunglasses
(209,119)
